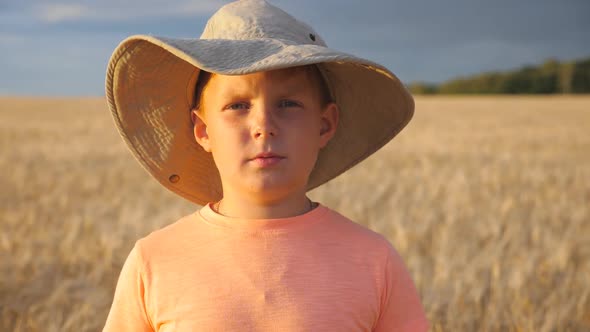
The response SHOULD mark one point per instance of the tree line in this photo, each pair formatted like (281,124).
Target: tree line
(551,77)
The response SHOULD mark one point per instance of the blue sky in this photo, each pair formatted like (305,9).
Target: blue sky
(61,48)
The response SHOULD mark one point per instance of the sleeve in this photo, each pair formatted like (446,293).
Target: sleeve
(128,311)
(401,308)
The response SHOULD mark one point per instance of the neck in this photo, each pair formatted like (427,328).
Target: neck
(246,209)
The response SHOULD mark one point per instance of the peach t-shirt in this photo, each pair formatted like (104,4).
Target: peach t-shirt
(315,272)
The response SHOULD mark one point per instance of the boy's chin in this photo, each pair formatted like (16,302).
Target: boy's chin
(273,189)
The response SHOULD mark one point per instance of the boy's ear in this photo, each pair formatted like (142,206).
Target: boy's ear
(329,123)
(200,130)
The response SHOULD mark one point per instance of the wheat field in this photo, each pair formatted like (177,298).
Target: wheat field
(486,198)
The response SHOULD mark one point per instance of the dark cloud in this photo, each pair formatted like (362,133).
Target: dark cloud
(417,39)
(437,40)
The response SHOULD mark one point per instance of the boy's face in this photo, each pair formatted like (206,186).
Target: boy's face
(264,131)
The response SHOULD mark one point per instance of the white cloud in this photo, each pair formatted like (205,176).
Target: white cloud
(54,13)
(112,10)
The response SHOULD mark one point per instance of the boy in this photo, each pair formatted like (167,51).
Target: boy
(244,121)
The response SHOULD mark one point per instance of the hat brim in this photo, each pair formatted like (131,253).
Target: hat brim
(150,83)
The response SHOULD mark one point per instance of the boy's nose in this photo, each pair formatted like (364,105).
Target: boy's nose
(263,123)
(261,132)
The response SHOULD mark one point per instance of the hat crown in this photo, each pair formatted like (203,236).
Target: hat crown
(257,19)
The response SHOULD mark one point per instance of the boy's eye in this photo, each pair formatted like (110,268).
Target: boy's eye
(288,103)
(237,106)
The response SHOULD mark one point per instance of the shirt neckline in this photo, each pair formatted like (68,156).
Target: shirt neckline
(209,216)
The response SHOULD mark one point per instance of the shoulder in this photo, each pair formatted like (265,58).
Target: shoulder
(360,236)
(351,227)
(168,239)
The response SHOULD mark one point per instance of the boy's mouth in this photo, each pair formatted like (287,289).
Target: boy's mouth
(267,159)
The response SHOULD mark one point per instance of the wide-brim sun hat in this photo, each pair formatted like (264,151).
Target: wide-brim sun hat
(150,85)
